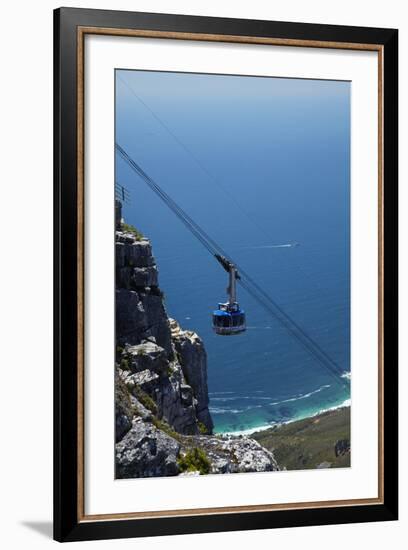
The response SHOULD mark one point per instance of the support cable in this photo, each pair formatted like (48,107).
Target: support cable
(245,280)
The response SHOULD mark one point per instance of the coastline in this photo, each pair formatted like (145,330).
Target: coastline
(265,427)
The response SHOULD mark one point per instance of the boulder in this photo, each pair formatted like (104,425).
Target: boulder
(147,355)
(342,447)
(234,454)
(249,456)
(146,380)
(323,465)
(146,451)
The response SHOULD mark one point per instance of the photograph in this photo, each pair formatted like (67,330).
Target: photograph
(231,198)
(206,254)
(225,262)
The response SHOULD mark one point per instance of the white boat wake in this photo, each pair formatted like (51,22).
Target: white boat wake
(285,245)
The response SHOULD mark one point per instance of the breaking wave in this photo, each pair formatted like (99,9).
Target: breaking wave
(225,410)
(301,396)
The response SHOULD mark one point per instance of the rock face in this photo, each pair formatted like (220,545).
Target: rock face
(234,454)
(146,451)
(342,447)
(191,352)
(140,312)
(161,392)
(155,358)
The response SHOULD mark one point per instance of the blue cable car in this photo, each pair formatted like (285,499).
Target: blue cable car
(229,319)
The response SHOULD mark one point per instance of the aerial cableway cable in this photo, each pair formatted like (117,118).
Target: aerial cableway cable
(300,336)
(200,234)
(195,159)
(206,171)
(284,318)
(245,280)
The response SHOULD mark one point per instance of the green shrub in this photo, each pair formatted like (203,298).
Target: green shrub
(127,227)
(170,370)
(164,427)
(195,460)
(124,364)
(145,399)
(202,428)
(123,404)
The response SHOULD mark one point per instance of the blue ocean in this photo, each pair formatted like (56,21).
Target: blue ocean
(263,166)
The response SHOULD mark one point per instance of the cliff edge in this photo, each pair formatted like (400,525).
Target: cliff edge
(163,423)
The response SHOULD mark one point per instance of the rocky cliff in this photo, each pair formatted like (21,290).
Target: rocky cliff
(163,423)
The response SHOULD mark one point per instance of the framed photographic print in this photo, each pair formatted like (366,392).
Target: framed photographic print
(225,274)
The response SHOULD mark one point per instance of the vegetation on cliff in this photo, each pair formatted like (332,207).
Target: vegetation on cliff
(194,460)
(128,228)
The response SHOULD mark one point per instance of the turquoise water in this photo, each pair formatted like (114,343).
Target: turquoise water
(267,165)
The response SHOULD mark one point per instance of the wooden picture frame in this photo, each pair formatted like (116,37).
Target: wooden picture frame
(70,27)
